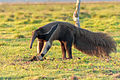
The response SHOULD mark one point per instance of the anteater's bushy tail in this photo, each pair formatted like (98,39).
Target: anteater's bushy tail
(91,43)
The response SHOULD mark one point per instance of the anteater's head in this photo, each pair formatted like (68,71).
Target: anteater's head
(41,34)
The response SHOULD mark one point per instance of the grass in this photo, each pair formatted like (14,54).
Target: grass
(19,20)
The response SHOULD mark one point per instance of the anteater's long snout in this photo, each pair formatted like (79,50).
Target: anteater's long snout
(33,38)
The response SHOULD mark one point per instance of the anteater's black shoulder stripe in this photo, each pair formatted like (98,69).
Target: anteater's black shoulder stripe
(49,34)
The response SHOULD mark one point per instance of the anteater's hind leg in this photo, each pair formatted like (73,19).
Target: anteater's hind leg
(68,47)
(63,50)
(40,45)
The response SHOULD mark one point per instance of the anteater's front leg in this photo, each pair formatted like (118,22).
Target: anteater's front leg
(47,46)
(40,45)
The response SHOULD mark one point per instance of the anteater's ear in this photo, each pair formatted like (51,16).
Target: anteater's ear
(54,27)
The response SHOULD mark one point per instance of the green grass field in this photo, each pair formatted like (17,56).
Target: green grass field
(17,22)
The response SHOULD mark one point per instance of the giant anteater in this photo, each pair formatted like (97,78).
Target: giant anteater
(91,43)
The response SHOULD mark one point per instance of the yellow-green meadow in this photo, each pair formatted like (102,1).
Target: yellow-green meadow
(17,21)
